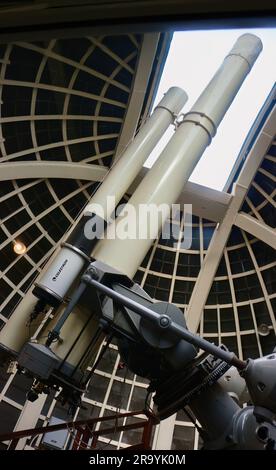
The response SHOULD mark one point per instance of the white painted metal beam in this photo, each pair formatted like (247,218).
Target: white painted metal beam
(207,202)
(45,169)
(219,240)
(140,85)
(29,417)
(257,228)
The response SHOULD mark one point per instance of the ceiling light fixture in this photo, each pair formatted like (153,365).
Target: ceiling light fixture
(19,248)
(263,330)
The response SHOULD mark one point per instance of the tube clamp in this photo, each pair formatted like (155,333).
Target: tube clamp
(77,250)
(174,116)
(202,120)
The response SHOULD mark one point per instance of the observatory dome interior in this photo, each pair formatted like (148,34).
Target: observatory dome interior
(68,109)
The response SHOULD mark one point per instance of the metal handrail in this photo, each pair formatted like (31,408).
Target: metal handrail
(85,430)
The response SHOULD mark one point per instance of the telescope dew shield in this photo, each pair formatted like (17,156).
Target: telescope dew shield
(165,181)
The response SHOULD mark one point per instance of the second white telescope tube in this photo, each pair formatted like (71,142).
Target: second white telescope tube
(127,167)
(165,181)
(59,276)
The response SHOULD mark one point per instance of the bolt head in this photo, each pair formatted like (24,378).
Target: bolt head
(164,321)
(93,272)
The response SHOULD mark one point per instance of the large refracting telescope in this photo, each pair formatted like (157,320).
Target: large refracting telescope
(88,284)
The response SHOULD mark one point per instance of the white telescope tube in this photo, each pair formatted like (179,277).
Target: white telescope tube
(127,167)
(57,279)
(66,266)
(164,182)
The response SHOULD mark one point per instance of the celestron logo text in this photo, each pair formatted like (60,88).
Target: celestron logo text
(60,270)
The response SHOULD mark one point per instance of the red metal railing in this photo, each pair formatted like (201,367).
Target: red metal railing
(83,431)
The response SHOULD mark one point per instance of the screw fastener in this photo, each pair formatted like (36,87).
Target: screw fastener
(164,321)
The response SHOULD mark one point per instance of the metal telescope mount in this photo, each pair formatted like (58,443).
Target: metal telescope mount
(154,342)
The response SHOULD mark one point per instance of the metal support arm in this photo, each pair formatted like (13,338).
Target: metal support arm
(163,321)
